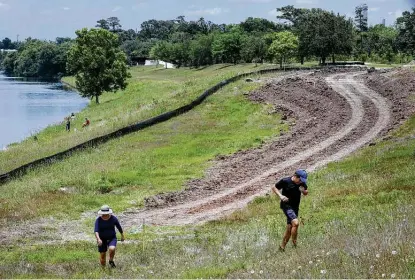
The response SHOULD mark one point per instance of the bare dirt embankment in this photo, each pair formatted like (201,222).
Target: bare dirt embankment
(330,114)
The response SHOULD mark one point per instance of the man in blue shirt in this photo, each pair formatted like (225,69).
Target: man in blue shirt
(105,234)
(289,190)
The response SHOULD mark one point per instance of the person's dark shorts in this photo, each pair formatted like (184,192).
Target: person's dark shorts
(107,243)
(291,214)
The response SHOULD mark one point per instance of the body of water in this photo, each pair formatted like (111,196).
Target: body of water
(27,107)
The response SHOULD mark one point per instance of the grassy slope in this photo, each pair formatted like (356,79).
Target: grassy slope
(359,222)
(124,171)
(152,91)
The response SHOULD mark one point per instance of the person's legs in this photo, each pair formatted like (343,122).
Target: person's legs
(103,252)
(294,231)
(286,237)
(102,258)
(112,245)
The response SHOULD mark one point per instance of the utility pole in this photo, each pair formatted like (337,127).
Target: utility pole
(17,38)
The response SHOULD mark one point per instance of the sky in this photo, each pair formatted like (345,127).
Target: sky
(48,19)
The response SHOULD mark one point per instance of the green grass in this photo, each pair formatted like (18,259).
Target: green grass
(357,222)
(122,172)
(151,91)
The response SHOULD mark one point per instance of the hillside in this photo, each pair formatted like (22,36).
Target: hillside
(356,223)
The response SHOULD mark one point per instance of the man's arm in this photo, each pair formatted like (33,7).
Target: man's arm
(118,225)
(96,230)
(279,194)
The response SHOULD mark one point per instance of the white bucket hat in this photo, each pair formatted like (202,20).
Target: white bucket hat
(105,210)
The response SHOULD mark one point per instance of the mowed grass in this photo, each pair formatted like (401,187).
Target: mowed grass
(357,222)
(151,91)
(123,171)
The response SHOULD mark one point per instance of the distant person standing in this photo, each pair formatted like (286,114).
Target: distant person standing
(105,234)
(289,190)
(68,124)
(73,116)
(86,123)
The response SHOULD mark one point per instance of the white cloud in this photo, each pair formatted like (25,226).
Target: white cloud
(4,6)
(306,2)
(398,13)
(274,13)
(250,1)
(374,9)
(210,11)
(66,8)
(117,8)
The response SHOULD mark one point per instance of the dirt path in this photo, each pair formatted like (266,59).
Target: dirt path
(330,117)
(359,128)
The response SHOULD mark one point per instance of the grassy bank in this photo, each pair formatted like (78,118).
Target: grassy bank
(151,91)
(124,171)
(358,222)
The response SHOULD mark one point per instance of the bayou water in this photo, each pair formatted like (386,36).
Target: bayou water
(28,106)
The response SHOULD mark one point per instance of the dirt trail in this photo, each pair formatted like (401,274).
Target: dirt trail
(236,196)
(330,117)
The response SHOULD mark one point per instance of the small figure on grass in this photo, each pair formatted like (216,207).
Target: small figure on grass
(86,123)
(106,236)
(289,191)
(68,124)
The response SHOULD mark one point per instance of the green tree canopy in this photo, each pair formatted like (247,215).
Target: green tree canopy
(98,63)
(284,46)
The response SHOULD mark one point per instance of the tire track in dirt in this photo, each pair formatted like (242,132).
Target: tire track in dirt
(360,114)
(225,202)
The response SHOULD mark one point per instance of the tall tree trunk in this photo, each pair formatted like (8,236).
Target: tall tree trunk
(302,60)
(97,98)
(323,60)
(281,62)
(333,58)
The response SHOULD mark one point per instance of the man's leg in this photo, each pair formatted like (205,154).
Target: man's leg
(102,258)
(294,230)
(287,236)
(112,252)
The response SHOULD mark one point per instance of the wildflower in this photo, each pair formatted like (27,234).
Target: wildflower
(318,260)
(383,275)
(260,272)
(299,267)
(394,252)
(293,272)
(323,271)
(328,254)
(378,256)
(252,271)
(393,275)
(310,262)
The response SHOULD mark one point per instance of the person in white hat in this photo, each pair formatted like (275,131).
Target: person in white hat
(105,234)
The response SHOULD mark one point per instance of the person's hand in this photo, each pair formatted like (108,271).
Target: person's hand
(303,190)
(99,242)
(284,198)
(122,238)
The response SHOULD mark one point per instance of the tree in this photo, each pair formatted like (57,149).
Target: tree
(103,23)
(226,47)
(201,51)
(254,49)
(114,23)
(406,34)
(361,21)
(98,63)
(7,43)
(9,63)
(284,46)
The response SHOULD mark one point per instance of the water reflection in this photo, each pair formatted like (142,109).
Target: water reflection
(27,106)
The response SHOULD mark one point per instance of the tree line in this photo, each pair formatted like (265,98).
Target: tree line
(299,35)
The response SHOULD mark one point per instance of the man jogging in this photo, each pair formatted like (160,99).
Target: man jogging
(105,234)
(289,190)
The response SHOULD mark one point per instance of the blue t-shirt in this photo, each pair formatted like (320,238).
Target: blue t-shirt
(106,228)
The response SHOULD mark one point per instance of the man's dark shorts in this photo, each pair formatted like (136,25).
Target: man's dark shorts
(291,214)
(107,243)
